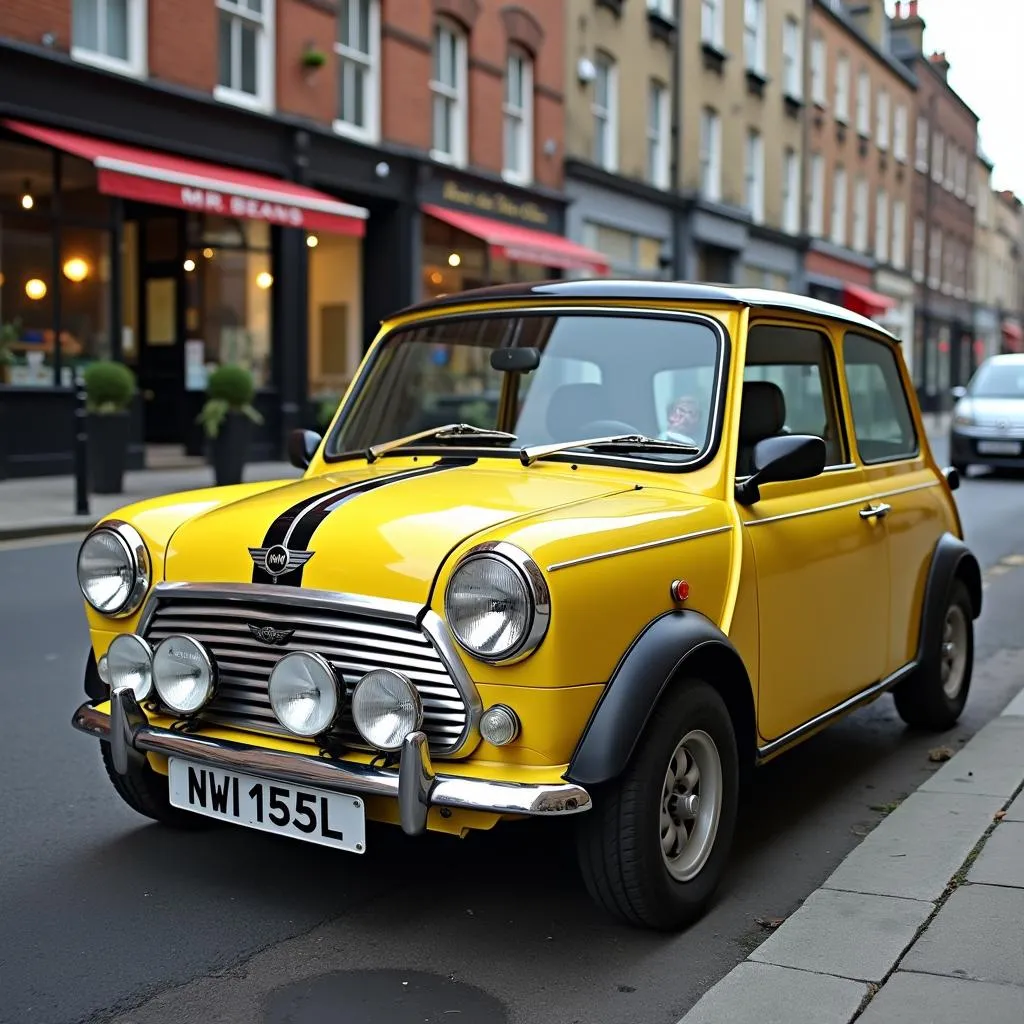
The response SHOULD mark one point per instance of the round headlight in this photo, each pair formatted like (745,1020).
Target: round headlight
(130,663)
(113,569)
(304,693)
(386,707)
(183,674)
(497,604)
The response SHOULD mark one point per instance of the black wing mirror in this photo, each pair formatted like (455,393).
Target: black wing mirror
(786,457)
(302,446)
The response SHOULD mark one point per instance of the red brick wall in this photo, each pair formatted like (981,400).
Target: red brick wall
(183,42)
(28,20)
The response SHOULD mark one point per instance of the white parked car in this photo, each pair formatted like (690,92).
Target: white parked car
(987,428)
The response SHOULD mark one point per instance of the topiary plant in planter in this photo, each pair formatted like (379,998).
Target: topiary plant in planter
(227,416)
(109,389)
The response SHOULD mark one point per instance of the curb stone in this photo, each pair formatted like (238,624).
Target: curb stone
(835,957)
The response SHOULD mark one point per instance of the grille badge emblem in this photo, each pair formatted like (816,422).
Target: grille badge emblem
(270,635)
(277,560)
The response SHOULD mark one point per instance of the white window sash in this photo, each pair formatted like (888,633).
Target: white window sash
(711,30)
(455,98)
(264,23)
(792,58)
(864,104)
(754,24)
(755,176)
(817,224)
(657,134)
(882,227)
(839,207)
(367,64)
(818,64)
(136,34)
(608,116)
(843,90)
(522,118)
(711,166)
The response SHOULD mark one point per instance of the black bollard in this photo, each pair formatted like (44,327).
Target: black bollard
(81,447)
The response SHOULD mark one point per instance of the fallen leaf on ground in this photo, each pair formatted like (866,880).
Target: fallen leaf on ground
(940,754)
(769,922)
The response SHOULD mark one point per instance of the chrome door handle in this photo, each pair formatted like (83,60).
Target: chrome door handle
(879,511)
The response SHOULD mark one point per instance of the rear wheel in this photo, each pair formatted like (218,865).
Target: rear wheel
(653,847)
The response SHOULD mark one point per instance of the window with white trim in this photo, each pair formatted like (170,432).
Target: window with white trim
(358,49)
(710,155)
(935,259)
(921,144)
(663,8)
(816,225)
(937,157)
(843,88)
(792,67)
(882,226)
(899,234)
(818,62)
(657,133)
(882,120)
(711,29)
(518,114)
(605,108)
(917,258)
(860,215)
(864,104)
(754,32)
(899,134)
(790,192)
(839,207)
(754,183)
(448,88)
(246,52)
(110,33)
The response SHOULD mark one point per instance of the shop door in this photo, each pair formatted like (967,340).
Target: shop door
(162,350)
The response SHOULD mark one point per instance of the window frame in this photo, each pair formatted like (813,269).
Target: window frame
(790,191)
(371,63)
(657,170)
(792,64)
(861,215)
(842,89)
(456,95)
(754,175)
(864,103)
(711,160)
(608,115)
(712,34)
(919,251)
(265,55)
(755,36)
(900,121)
(898,223)
(840,237)
(922,144)
(882,229)
(816,203)
(136,33)
(883,117)
(819,72)
(522,115)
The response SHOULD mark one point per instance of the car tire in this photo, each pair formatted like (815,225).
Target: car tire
(145,791)
(621,839)
(934,696)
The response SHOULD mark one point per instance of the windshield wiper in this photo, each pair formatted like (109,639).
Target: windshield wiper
(626,442)
(448,432)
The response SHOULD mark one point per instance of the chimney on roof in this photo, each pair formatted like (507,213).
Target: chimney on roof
(907,28)
(939,62)
(899,9)
(913,9)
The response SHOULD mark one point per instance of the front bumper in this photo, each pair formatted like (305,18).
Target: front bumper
(964,447)
(414,783)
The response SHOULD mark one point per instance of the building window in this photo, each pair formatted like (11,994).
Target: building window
(663,8)
(921,145)
(518,111)
(917,259)
(899,136)
(657,134)
(605,110)
(754,190)
(883,120)
(711,23)
(110,33)
(790,192)
(816,227)
(899,234)
(935,259)
(710,155)
(860,215)
(791,66)
(358,50)
(937,157)
(839,207)
(246,52)
(843,89)
(448,85)
(882,226)
(754,35)
(961,176)
(818,95)
(864,104)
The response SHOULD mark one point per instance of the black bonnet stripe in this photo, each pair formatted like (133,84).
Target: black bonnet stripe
(293,530)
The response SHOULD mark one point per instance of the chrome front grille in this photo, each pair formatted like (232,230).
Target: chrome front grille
(353,643)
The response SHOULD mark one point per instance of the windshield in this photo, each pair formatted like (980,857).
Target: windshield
(998,380)
(597,375)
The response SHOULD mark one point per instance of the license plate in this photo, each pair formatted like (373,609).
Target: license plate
(999,447)
(301,812)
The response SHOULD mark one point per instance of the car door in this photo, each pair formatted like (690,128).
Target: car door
(822,568)
(901,486)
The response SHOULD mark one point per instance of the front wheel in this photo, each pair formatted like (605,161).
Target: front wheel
(653,847)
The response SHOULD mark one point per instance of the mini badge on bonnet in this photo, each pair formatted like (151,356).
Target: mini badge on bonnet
(270,635)
(278,560)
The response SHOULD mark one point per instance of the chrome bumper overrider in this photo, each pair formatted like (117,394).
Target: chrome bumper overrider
(413,783)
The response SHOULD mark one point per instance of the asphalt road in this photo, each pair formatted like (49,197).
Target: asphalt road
(103,915)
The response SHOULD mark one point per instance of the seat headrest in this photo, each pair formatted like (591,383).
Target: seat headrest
(574,405)
(762,411)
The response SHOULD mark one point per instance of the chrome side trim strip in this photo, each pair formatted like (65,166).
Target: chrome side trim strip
(638,547)
(422,788)
(441,635)
(865,499)
(851,703)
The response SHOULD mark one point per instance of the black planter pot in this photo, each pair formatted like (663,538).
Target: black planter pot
(229,449)
(107,451)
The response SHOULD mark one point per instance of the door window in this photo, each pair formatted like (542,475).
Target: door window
(882,422)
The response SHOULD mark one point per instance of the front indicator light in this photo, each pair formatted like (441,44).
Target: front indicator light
(129,663)
(499,725)
(386,707)
(183,674)
(304,693)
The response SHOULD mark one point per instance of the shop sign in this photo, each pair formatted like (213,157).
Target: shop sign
(496,203)
(241,206)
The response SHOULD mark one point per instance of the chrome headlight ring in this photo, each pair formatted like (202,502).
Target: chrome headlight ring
(137,557)
(538,596)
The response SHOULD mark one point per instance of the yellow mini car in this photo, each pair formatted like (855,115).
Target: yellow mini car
(590,548)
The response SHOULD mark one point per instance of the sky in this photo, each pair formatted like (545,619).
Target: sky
(984,44)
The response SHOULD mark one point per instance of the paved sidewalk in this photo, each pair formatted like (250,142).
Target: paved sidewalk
(39,506)
(923,923)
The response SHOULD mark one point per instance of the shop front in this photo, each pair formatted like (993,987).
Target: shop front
(770,260)
(845,279)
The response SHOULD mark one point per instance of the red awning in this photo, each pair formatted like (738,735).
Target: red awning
(1012,331)
(192,185)
(865,301)
(527,245)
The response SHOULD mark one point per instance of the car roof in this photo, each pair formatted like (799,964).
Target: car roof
(1005,357)
(624,289)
